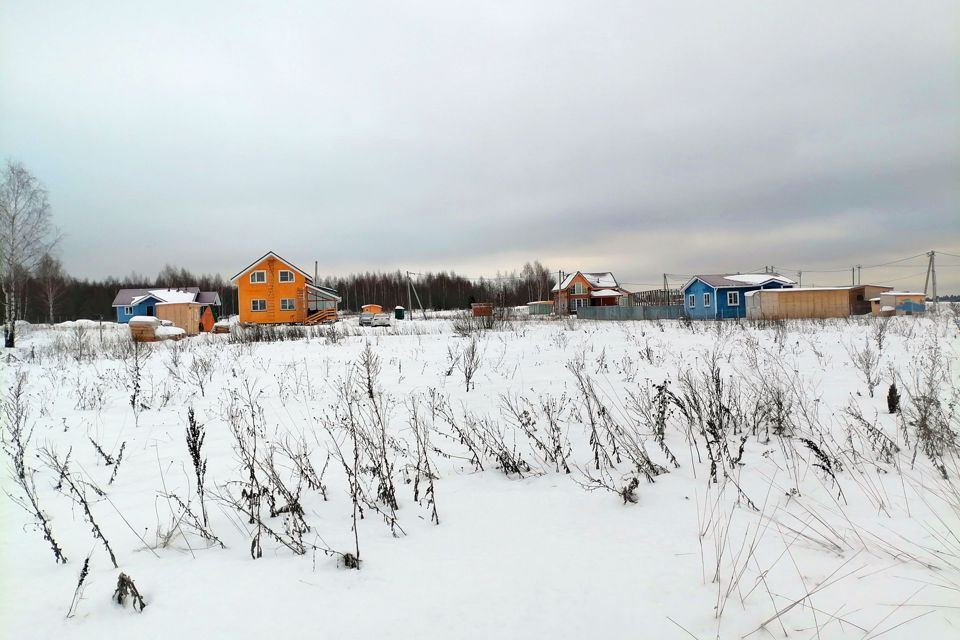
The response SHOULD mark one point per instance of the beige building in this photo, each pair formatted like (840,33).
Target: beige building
(811,302)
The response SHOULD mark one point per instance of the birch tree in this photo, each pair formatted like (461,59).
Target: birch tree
(53,283)
(26,235)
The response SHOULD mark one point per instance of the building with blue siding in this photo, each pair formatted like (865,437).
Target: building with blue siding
(143,302)
(715,297)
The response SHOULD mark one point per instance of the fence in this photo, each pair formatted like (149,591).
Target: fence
(661,312)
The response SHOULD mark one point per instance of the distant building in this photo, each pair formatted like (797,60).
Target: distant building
(714,297)
(811,302)
(898,303)
(272,290)
(188,308)
(588,289)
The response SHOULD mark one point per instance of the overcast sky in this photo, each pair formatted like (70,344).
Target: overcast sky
(633,136)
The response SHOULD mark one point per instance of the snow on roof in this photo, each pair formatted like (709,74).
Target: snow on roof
(132,297)
(605,293)
(724,281)
(174,295)
(596,280)
(759,278)
(901,293)
(150,320)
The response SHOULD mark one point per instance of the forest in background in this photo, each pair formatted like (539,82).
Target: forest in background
(50,293)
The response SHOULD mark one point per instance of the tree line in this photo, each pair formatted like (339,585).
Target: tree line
(49,294)
(37,288)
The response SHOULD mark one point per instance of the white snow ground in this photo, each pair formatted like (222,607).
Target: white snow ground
(532,556)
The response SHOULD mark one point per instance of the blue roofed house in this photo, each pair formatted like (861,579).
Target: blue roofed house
(711,297)
(143,302)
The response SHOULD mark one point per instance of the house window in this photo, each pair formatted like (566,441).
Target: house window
(286,276)
(128,311)
(258,305)
(579,289)
(288,304)
(706,299)
(258,277)
(733,298)
(691,301)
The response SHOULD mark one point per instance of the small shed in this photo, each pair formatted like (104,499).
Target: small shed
(371,308)
(899,303)
(399,312)
(185,315)
(481,309)
(540,307)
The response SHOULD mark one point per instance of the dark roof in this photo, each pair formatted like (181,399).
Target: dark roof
(264,257)
(125,297)
(210,298)
(729,280)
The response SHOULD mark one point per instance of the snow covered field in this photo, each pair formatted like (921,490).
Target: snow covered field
(761,492)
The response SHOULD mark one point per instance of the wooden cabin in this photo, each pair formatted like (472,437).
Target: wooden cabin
(271,290)
(371,308)
(588,289)
(720,296)
(810,302)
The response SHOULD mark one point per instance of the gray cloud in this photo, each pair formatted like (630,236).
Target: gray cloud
(645,137)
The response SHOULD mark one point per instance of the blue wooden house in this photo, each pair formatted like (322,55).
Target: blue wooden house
(143,302)
(713,297)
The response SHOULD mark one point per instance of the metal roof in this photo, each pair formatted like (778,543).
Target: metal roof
(730,280)
(131,297)
(596,279)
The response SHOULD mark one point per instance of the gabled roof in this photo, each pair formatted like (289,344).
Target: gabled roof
(133,297)
(737,280)
(264,257)
(596,280)
(209,298)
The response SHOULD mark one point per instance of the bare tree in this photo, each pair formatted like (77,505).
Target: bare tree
(53,283)
(26,235)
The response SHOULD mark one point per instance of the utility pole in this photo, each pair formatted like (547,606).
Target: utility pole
(409,297)
(859,281)
(932,279)
(853,276)
(666,291)
(556,303)
(799,278)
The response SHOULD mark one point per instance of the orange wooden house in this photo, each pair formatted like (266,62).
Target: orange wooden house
(586,289)
(272,290)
